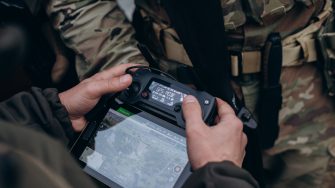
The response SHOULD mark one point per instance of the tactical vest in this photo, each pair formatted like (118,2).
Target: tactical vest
(261,36)
(248,24)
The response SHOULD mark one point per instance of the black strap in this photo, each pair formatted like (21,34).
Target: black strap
(200,26)
(202,36)
(270,95)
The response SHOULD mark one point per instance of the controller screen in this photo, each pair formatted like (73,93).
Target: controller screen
(165,95)
(133,151)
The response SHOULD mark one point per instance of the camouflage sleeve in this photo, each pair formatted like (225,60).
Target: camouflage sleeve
(97,31)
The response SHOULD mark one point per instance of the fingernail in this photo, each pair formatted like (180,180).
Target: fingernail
(124,78)
(189,99)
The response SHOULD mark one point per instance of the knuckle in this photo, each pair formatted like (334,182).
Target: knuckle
(239,124)
(230,118)
(232,121)
(113,83)
(225,109)
(110,83)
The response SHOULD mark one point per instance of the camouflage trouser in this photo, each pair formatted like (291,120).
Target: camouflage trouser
(97,31)
(307,129)
(307,122)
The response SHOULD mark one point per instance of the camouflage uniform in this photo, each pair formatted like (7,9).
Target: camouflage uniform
(307,117)
(97,31)
(100,34)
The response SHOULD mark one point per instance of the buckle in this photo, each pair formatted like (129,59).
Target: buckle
(247,62)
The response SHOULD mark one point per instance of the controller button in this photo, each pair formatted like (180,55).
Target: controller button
(246,117)
(145,94)
(177,108)
(206,102)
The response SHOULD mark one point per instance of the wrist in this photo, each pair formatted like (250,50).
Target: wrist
(62,100)
(60,113)
(78,122)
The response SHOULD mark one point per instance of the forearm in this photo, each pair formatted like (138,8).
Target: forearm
(223,174)
(40,110)
(98,31)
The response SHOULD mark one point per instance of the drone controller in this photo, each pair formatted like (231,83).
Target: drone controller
(162,96)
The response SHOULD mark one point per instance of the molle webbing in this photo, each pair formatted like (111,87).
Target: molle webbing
(247,38)
(235,12)
(298,48)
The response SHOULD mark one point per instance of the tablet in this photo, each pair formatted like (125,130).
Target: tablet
(128,147)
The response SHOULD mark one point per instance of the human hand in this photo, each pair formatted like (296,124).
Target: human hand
(223,142)
(83,97)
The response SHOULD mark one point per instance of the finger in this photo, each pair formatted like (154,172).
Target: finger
(223,108)
(101,87)
(113,72)
(192,112)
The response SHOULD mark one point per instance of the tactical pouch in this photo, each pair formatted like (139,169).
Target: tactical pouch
(145,32)
(254,9)
(326,38)
(166,42)
(173,47)
(275,9)
(233,14)
(268,11)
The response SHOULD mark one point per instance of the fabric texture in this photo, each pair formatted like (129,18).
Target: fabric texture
(224,174)
(40,110)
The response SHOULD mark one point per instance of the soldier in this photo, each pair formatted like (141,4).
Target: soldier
(100,34)
(97,31)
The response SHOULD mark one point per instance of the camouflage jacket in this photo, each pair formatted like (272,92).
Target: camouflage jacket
(102,37)
(246,28)
(97,31)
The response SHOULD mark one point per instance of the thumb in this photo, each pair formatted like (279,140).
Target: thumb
(192,112)
(111,85)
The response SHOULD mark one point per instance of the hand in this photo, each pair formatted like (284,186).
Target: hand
(83,97)
(223,142)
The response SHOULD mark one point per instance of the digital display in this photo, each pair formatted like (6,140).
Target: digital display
(165,95)
(133,151)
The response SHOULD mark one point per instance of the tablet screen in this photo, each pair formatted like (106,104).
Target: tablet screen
(132,151)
